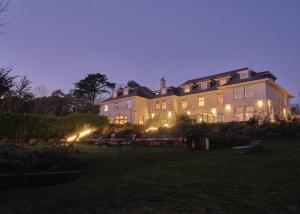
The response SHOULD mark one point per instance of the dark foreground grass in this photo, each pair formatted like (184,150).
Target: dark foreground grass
(172,180)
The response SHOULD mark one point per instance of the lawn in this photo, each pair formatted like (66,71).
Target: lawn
(172,180)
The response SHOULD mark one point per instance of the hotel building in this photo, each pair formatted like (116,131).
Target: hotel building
(230,96)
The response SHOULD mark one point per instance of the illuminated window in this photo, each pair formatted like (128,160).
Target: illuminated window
(201,101)
(110,119)
(116,106)
(141,119)
(238,93)
(220,99)
(239,113)
(249,112)
(163,105)
(184,104)
(105,107)
(121,120)
(249,91)
(157,106)
(187,88)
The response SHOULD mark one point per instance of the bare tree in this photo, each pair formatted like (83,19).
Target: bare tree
(23,88)
(40,91)
(3,9)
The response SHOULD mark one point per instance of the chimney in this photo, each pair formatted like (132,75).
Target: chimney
(163,89)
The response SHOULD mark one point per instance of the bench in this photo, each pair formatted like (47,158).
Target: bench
(256,145)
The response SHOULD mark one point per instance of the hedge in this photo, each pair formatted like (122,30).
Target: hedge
(15,126)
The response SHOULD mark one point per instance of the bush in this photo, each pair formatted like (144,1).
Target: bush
(25,126)
(14,160)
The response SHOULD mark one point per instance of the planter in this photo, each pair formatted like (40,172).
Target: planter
(40,178)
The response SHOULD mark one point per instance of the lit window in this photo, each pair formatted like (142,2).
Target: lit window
(239,114)
(105,107)
(157,106)
(220,99)
(116,106)
(203,85)
(128,104)
(163,105)
(184,104)
(187,88)
(249,112)
(249,91)
(244,74)
(121,120)
(110,119)
(222,81)
(238,93)
(201,101)
(141,119)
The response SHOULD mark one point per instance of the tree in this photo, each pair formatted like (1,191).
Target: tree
(92,86)
(23,88)
(3,9)
(6,81)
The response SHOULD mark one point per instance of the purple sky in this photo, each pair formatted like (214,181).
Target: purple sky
(58,42)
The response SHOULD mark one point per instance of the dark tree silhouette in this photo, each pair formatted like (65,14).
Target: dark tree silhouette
(92,86)
(6,81)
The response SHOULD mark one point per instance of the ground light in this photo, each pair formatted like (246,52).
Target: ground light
(80,135)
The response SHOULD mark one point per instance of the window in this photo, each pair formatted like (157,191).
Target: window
(110,119)
(128,104)
(203,85)
(184,104)
(249,112)
(239,114)
(105,107)
(222,81)
(116,106)
(244,74)
(220,99)
(163,105)
(121,120)
(157,106)
(238,93)
(201,101)
(141,119)
(187,88)
(249,91)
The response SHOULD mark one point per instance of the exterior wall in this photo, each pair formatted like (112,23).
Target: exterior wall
(268,100)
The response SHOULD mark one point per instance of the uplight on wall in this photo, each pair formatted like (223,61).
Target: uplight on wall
(214,111)
(260,103)
(169,114)
(228,107)
(188,113)
(152,115)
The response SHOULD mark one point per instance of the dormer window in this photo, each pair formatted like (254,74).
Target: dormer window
(244,74)
(126,91)
(203,85)
(187,88)
(223,81)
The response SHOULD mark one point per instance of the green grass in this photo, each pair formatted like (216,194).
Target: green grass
(172,180)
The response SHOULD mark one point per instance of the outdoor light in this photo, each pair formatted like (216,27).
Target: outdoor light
(228,107)
(260,103)
(169,114)
(151,129)
(188,113)
(152,115)
(166,125)
(214,111)
(284,112)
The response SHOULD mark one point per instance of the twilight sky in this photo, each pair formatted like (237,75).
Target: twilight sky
(58,42)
